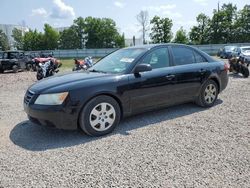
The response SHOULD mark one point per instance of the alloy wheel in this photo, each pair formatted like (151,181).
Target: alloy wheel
(210,93)
(102,116)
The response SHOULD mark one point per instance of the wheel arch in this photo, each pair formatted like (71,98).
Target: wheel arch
(216,80)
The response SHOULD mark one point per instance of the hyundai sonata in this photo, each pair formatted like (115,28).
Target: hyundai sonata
(128,81)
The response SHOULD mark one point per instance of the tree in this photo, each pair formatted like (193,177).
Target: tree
(51,37)
(4,44)
(161,30)
(69,39)
(33,40)
(99,32)
(18,38)
(181,36)
(242,27)
(200,34)
(222,28)
(143,20)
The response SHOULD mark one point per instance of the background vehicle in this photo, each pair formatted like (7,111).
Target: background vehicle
(83,64)
(13,60)
(47,68)
(242,54)
(126,82)
(227,51)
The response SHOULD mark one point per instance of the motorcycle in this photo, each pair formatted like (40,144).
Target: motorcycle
(239,66)
(47,69)
(83,64)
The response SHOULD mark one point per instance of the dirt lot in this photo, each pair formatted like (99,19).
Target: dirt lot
(181,146)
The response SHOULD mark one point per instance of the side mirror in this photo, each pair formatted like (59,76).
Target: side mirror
(142,68)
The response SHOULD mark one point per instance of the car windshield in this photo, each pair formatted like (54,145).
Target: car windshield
(229,48)
(245,49)
(118,61)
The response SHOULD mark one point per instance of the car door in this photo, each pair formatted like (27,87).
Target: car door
(190,69)
(152,88)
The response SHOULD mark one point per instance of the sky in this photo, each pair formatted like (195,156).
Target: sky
(61,13)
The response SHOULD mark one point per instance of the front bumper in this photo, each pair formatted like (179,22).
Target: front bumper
(60,116)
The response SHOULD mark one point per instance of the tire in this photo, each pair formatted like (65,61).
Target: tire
(39,75)
(28,67)
(1,70)
(93,118)
(15,68)
(208,94)
(245,71)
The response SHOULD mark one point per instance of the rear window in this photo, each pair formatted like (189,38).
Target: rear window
(199,58)
(183,56)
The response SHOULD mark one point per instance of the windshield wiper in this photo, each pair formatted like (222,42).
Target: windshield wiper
(94,70)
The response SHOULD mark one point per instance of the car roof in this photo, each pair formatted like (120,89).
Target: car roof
(245,47)
(150,46)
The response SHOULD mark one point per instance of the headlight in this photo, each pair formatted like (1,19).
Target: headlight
(51,99)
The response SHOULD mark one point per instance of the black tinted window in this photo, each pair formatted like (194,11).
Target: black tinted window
(158,58)
(183,56)
(199,58)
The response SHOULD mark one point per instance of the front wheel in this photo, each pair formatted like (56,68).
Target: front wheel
(100,116)
(39,74)
(208,94)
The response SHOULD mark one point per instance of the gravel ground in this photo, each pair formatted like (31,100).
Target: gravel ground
(181,146)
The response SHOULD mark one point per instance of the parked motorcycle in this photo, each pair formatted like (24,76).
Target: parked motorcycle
(83,64)
(48,68)
(239,66)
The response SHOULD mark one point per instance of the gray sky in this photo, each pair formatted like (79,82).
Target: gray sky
(60,13)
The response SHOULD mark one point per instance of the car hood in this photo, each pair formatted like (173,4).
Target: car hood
(65,79)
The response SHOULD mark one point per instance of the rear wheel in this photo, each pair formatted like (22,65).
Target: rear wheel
(208,94)
(28,67)
(100,116)
(15,68)
(1,70)
(245,71)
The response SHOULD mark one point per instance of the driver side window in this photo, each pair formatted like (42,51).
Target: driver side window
(158,58)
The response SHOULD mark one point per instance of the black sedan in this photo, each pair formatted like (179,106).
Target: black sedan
(126,82)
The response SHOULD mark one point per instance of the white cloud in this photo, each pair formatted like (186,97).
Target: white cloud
(119,4)
(39,12)
(61,10)
(201,2)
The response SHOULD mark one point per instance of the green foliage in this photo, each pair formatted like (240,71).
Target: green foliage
(181,36)
(227,25)
(18,37)
(33,40)
(69,39)
(4,45)
(161,30)
(199,34)
(98,32)
(51,38)
(242,26)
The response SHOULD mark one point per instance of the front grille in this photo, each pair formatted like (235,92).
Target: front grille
(28,97)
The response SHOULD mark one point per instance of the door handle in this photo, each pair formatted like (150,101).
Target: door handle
(170,77)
